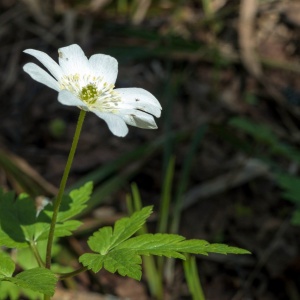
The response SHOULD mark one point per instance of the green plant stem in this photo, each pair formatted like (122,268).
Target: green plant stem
(62,186)
(63,276)
(36,254)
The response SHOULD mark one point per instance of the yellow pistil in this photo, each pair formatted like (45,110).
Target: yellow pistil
(89,94)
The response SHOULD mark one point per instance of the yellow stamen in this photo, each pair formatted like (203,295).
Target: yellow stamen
(93,91)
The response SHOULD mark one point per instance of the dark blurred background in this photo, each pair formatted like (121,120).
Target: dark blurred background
(227,75)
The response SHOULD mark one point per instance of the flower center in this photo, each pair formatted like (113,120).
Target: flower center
(89,94)
(92,90)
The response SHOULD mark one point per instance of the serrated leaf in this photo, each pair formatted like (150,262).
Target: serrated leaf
(38,279)
(203,247)
(93,261)
(124,261)
(101,241)
(20,223)
(171,245)
(155,244)
(71,205)
(106,239)
(7,265)
(119,252)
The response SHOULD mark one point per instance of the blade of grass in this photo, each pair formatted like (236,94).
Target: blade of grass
(139,10)
(23,176)
(192,278)
(129,204)
(166,197)
(169,94)
(183,182)
(182,185)
(164,211)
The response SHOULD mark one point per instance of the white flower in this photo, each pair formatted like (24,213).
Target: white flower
(89,84)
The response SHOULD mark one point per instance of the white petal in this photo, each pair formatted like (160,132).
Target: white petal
(115,123)
(105,66)
(41,76)
(139,99)
(73,60)
(67,98)
(139,105)
(47,61)
(140,119)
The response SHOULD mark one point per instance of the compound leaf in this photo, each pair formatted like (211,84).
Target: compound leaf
(119,252)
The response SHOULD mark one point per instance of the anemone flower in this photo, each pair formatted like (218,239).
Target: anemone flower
(89,85)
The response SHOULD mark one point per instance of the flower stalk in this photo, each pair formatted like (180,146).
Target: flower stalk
(62,186)
(89,84)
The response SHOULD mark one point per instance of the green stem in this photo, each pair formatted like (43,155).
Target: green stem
(63,276)
(62,186)
(37,254)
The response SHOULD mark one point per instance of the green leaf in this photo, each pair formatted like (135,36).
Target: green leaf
(9,291)
(290,185)
(171,245)
(119,252)
(17,220)
(106,239)
(7,265)
(20,223)
(38,279)
(61,229)
(155,244)
(203,247)
(75,203)
(125,262)
(71,206)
